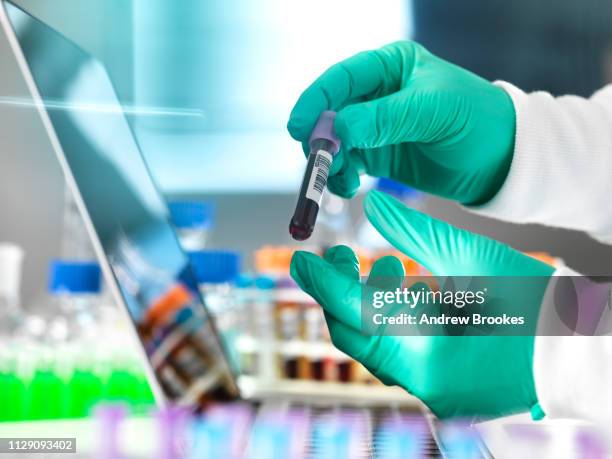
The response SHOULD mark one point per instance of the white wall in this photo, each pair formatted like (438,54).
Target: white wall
(101,27)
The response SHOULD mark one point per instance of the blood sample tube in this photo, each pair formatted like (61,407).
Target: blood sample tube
(324,144)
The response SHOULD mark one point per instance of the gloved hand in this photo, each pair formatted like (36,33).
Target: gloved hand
(406,114)
(480,376)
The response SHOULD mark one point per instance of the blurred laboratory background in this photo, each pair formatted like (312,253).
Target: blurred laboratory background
(208,87)
(236,69)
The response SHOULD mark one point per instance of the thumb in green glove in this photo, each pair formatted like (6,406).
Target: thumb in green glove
(476,376)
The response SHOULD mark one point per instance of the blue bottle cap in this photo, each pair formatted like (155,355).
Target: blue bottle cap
(74,277)
(244,280)
(396,189)
(215,266)
(184,316)
(192,214)
(265,282)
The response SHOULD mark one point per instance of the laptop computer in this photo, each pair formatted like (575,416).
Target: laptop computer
(127,220)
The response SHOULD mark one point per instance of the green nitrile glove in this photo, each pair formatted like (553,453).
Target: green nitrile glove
(477,376)
(406,114)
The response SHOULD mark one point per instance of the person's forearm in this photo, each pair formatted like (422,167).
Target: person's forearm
(562,165)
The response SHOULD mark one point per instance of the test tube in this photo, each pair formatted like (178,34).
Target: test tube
(110,418)
(324,144)
(172,422)
(401,436)
(460,440)
(591,444)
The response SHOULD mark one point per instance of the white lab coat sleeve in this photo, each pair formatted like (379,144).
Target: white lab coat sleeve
(573,374)
(561,171)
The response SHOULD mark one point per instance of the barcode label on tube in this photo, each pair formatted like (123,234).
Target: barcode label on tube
(318,177)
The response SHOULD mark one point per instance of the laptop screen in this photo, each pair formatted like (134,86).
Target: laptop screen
(128,215)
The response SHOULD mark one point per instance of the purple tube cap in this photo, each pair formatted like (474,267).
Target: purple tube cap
(110,418)
(324,129)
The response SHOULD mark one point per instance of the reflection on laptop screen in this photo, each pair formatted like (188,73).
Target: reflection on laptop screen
(128,214)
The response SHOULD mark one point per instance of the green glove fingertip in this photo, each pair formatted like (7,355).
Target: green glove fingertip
(537,413)
(342,254)
(298,269)
(387,273)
